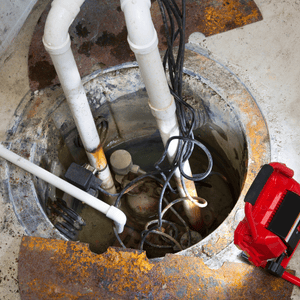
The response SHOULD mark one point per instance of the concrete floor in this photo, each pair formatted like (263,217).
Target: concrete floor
(263,55)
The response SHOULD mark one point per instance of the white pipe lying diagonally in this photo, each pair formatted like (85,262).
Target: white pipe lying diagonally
(143,41)
(111,212)
(57,42)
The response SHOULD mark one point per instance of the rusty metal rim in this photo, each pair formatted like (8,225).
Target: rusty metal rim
(54,269)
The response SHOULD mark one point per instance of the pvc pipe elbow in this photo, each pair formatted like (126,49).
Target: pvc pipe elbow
(56,39)
(142,36)
(118,217)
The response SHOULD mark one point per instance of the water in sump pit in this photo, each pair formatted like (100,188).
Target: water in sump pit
(216,189)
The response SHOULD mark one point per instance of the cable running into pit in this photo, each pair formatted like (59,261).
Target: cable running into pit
(174,19)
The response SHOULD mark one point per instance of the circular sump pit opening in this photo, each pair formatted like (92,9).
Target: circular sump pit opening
(118,101)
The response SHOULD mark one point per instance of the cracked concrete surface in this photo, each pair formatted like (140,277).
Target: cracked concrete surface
(264,55)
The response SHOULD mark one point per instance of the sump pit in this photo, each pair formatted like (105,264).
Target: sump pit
(218,190)
(119,96)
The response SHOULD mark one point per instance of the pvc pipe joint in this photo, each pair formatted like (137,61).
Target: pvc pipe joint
(56,38)
(164,113)
(57,50)
(142,36)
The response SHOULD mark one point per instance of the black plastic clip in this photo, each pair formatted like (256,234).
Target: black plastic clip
(275,268)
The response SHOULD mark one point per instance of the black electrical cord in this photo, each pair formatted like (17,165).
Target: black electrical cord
(180,162)
(106,192)
(126,188)
(118,237)
(169,206)
(174,28)
(136,180)
(174,19)
(174,23)
(162,234)
(166,222)
(179,217)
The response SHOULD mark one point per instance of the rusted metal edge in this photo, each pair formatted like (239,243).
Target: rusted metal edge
(55,269)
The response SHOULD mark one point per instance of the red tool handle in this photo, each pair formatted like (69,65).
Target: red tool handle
(250,220)
(291,278)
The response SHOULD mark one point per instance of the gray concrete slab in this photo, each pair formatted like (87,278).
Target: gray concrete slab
(12,17)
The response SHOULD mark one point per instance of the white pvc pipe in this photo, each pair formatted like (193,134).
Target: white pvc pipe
(69,77)
(111,212)
(57,42)
(143,41)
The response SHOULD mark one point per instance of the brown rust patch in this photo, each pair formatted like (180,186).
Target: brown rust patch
(100,158)
(229,14)
(99,34)
(43,72)
(55,269)
(34,108)
(86,48)
(82,30)
(190,186)
(118,45)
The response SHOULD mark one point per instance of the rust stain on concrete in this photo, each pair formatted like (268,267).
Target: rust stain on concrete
(34,109)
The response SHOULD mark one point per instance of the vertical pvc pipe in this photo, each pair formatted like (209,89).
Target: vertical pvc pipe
(57,42)
(143,41)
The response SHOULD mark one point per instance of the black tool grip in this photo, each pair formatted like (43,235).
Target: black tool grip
(258,184)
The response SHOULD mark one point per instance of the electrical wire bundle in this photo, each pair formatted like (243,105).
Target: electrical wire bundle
(174,18)
(174,21)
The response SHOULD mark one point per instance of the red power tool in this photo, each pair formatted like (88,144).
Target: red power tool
(270,231)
